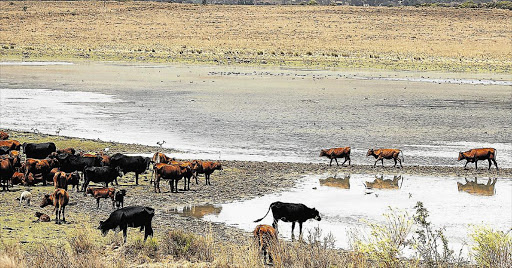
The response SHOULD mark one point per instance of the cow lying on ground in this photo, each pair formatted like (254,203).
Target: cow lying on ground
(133,216)
(474,155)
(266,237)
(291,212)
(101,193)
(41,217)
(59,199)
(381,154)
(206,168)
(100,174)
(38,150)
(137,164)
(25,196)
(3,135)
(335,153)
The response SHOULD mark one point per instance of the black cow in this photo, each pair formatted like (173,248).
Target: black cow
(38,150)
(71,163)
(119,198)
(74,180)
(291,212)
(133,216)
(100,174)
(4,150)
(137,164)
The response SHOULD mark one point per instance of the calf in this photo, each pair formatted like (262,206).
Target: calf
(100,174)
(41,217)
(381,154)
(335,153)
(133,216)
(474,155)
(60,180)
(291,212)
(137,164)
(38,150)
(59,199)
(266,237)
(25,196)
(101,193)
(206,168)
(119,198)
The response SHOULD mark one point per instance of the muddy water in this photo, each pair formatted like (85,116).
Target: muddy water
(251,113)
(346,202)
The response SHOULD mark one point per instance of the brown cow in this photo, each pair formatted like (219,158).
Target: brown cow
(17,178)
(266,237)
(6,171)
(381,154)
(173,173)
(60,180)
(3,135)
(29,180)
(474,155)
(335,153)
(68,150)
(59,199)
(206,168)
(101,193)
(41,217)
(189,172)
(11,144)
(42,167)
(161,158)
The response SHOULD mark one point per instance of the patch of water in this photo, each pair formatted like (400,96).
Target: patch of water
(346,202)
(33,63)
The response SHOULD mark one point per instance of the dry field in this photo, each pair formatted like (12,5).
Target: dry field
(408,38)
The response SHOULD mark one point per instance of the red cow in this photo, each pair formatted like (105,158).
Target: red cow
(474,155)
(381,154)
(206,168)
(334,153)
(266,237)
(173,173)
(59,199)
(101,193)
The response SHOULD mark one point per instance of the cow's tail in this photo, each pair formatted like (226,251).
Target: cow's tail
(402,155)
(258,220)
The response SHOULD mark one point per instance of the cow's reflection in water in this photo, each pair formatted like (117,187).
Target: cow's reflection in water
(343,183)
(381,183)
(199,211)
(473,187)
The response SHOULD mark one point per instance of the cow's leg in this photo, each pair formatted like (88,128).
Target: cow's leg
(394,159)
(400,161)
(293,228)
(345,162)
(382,161)
(495,164)
(330,162)
(375,164)
(124,233)
(195,174)
(184,183)
(274,224)
(63,216)
(476,164)
(336,159)
(489,163)
(97,203)
(465,166)
(136,178)
(300,230)
(148,231)
(57,216)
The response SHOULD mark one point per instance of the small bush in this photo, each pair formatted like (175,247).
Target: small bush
(188,246)
(386,241)
(492,248)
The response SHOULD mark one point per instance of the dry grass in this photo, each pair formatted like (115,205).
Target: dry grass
(395,38)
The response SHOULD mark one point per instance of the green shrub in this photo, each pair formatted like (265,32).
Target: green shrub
(188,246)
(491,248)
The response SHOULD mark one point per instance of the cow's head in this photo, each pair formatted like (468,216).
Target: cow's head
(218,165)
(104,229)
(315,214)
(323,152)
(370,152)
(46,201)
(121,192)
(88,191)
(461,156)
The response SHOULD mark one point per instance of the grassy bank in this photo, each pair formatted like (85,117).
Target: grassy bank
(401,38)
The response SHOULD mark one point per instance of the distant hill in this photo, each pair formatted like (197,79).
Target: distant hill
(447,3)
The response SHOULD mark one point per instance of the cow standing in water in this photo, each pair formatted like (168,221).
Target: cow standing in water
(474,155)
(291,212)
(334,153)
(381,154)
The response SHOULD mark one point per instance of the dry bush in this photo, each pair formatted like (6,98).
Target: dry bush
(188,246)
(492,248)
(11,255)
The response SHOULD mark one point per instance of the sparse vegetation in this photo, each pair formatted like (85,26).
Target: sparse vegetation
(492,248)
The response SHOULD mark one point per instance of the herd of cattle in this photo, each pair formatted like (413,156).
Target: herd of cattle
(45,163)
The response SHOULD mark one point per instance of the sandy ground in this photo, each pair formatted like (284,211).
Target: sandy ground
(402,38)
